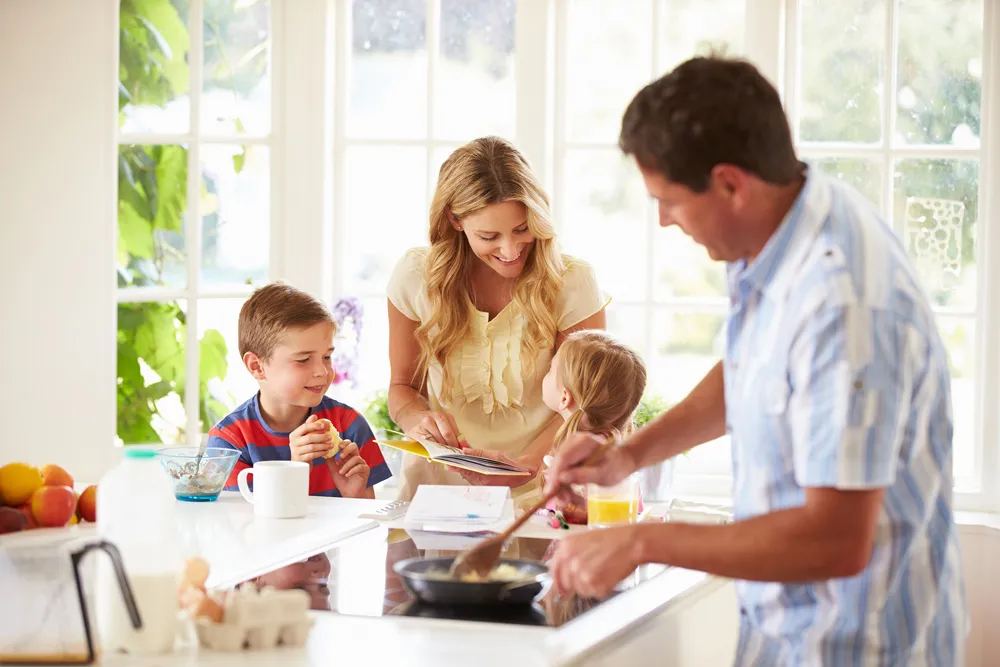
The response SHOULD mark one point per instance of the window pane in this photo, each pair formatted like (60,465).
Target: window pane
(604,219)
(388,69)
(959,335)
(237,75)
(380,228)
(151,372)
(152,204)
(700,27)
(609,48)
(863,175)
(438,156)
(152,67)
(685,347)
(936,207)
(940,72)
(629,324)
(225,382)
(840,76)
(682,268)
(236,212)
(474,92)
(373,350)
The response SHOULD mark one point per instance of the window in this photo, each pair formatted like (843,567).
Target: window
(193,208)
(889,96)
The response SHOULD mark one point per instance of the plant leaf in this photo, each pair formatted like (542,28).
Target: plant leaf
(135,233)
(212,361)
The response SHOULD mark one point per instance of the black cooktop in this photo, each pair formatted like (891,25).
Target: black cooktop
(357,578)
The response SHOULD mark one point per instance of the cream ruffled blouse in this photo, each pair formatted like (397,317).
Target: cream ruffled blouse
(496,398)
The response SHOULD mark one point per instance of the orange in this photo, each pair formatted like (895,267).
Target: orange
(18,481)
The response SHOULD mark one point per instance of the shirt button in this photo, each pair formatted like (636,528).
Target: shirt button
(486,342)
(486,367)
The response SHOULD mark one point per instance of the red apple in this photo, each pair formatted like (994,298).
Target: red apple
(86,507)
(53,475)
(52,506)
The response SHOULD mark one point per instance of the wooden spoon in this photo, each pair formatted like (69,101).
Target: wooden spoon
(481,558)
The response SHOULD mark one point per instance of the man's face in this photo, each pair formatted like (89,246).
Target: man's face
(709,217)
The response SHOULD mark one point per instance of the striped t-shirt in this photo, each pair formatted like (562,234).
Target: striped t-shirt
(244,430)
(835,376)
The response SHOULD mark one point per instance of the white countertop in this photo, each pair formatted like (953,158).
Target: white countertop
(240,546)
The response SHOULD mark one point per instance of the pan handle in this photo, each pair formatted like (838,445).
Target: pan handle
(514,585)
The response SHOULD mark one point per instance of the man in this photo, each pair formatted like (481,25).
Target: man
(834,390)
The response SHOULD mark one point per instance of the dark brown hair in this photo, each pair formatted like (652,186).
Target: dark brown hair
(271,311)
(709,111)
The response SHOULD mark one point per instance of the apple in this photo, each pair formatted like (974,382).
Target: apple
(52,506)
(53,475)
(12,520)
(25,509)
(86,507)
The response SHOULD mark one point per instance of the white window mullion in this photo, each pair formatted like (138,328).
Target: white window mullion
(192,234)
(890,85)
(433,45)
(540,91)
(764,39)
(988,252)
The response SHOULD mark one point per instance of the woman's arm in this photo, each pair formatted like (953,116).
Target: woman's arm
(408,406)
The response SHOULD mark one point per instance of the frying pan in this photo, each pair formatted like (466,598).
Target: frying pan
(413,572)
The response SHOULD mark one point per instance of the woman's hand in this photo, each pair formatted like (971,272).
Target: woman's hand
(434,425)
(479,479)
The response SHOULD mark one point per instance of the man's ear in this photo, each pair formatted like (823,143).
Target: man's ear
(732,182)
(255,365)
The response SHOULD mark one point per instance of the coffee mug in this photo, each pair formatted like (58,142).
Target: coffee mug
(280,488)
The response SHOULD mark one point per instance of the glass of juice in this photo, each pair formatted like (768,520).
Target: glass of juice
(613,505)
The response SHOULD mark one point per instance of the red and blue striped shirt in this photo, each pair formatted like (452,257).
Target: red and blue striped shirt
(246,431)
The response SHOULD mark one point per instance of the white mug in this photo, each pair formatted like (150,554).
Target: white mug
(280,488)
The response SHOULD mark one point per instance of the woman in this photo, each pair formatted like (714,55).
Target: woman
(475,318)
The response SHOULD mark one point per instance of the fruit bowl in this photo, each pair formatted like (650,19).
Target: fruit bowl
(194,480)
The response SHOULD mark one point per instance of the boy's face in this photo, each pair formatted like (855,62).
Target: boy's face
(299,371)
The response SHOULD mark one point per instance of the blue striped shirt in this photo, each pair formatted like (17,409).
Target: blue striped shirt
(835,376)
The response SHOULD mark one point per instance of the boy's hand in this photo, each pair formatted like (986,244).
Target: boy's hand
(350,473)
(309,441)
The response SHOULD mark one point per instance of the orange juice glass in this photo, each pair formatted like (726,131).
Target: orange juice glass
(613,505)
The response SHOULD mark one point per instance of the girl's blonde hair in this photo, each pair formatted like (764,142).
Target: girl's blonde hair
(483,172)
(606,379)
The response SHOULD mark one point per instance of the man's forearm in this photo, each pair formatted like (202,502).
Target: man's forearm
(699,418)
(785,546)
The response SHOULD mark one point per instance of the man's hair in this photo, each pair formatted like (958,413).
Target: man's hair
(709,111)
(271,311)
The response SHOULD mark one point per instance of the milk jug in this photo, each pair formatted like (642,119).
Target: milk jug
(135,512)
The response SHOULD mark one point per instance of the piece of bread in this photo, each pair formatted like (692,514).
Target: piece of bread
(335,439)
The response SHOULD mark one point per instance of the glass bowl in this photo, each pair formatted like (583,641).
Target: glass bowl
(196,481)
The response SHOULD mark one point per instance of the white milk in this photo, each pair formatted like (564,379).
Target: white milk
(156,596)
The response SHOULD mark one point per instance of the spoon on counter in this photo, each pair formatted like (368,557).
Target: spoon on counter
(480,559)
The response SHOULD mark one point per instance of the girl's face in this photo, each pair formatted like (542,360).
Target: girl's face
(499,236)
(554,394)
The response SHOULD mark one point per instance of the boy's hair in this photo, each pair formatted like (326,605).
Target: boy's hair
(709,111)
(271,311)
(606,379)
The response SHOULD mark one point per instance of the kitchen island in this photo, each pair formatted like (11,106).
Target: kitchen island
(659,616)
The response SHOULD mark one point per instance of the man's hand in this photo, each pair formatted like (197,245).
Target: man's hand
(309,441)
(591,564)
(616,464)
(350,473)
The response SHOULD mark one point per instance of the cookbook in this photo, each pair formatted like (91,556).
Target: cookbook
(451,456)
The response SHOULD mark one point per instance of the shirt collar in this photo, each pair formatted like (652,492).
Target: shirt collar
(791,239)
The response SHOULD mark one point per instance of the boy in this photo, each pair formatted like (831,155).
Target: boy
(286,339)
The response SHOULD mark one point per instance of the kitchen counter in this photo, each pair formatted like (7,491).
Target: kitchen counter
(362,613)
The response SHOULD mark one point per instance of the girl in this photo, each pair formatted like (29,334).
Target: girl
(595,383)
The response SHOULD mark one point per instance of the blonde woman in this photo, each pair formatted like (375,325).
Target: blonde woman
(475,318)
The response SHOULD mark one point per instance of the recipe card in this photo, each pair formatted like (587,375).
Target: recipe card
(457,508)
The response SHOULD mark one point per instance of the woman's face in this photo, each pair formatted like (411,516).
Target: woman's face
(499,236)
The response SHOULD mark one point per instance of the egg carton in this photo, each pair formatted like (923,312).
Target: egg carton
(258,621)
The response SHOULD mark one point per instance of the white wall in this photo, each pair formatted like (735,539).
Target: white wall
(981,560)
(58,79)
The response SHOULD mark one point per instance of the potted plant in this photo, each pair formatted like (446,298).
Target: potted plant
(377,414)
(656,481)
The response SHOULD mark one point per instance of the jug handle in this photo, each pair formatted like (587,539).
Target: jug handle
(123,583)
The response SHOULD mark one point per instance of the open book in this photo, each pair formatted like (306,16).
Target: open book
(452,456)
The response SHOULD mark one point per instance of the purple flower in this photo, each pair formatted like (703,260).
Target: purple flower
(348,313)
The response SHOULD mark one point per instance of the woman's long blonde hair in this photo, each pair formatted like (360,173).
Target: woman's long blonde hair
(606,379)
(483,172)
